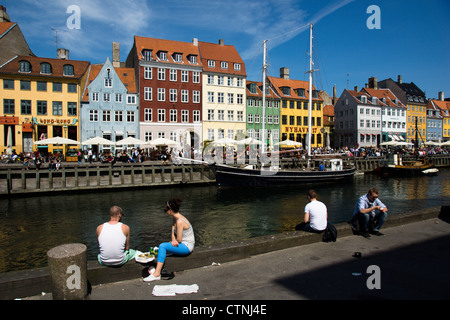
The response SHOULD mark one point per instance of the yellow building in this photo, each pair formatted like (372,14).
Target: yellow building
(40,99)
(294,110)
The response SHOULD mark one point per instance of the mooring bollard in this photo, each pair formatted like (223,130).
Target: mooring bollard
(68,271)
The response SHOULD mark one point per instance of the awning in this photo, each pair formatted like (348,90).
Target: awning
(27,127)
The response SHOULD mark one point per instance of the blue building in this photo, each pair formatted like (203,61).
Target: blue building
(110,105)
(434,123)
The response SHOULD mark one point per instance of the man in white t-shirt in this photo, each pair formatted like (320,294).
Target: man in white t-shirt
(315,219)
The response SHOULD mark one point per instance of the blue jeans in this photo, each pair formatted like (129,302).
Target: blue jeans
(181,250)
(364,219)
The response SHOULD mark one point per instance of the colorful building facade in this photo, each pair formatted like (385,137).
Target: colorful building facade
(40,99)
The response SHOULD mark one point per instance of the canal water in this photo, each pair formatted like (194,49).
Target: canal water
(31,226)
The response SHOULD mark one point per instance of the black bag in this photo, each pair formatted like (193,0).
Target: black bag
(330,233)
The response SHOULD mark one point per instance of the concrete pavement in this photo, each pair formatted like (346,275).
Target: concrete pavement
(411,261)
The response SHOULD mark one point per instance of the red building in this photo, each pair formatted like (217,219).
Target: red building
(169,74)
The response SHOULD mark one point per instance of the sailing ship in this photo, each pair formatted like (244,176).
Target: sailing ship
(262,174)
(397,166)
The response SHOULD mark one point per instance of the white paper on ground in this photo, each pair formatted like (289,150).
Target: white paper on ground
(173,289)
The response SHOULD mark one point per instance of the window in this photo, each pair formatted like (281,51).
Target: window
(130,116)
(106,115)
(41,86)
(210,96)
(240,116)
(161,74)
(71,88)
(118,116)
(211,63)
(161,94)
(163,55)
(46,68)
(68,70)
(147,55)
(119,97)
(108,82)
(161,115)
(184,116)
(240,98)
(196,96)
(8,106)
(184,76)
(185,96)
(71,108)
(220,98)
(173,75)
(224,65)
(106,97)
(220,80)
(193,59)
(210,114)
(177,57)
(231,98)
(173,115)
(24,66)
(220,115)
(25,85)
(57,108)
(93,115)
(94,96)
(25,106)
(195,76)
(239,82)
(148,96)
(196,115)
(148,73)
(148,115)
(41,107)
(210,134)
(237,66)
(57,87)
(8,84)
(173,96)
(131,99)
(230,115)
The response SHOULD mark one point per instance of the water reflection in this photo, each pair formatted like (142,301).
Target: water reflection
(29,227)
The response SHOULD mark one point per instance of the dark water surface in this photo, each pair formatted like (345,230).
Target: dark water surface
(29,227)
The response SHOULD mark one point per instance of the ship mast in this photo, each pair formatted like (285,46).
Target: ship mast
(311,65)
(264,98)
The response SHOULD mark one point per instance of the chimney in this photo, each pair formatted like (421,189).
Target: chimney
(441,95)
(221,42)
(3,15)
(334,95)
(195,42)
(116,54)
(399,78)
(63,54)
(284,73)
(356,88)
(373,83)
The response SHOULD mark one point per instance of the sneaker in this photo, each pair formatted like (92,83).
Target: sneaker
(377,233)
(366,235)
(151,277)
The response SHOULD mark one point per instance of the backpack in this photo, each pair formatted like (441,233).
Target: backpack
(330,233)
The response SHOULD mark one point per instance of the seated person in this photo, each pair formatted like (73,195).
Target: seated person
(114,240)
(316,215)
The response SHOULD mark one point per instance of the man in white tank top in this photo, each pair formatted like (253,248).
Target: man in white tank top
(114,240)
(316,214)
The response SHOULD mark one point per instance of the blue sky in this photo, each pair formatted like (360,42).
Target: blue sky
(413,40)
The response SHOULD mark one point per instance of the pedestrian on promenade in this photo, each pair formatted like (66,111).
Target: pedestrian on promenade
(316,215)
(114,240)
(183,239)
(369,214)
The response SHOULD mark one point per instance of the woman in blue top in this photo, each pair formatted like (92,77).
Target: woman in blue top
(183,239)
(369,207)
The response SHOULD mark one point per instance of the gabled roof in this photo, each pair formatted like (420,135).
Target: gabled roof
(389,98)
(221,53)
(13,67)
(279,83)
(157,45)
(328,110)
(442,105)
(126,75)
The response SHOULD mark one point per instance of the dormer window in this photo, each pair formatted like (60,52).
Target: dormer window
(363,99)
(211,64)
(224,65)
(68,70)
(374,100)
(237,66)
(193,59)
(286,91)
(253,88)
(163,55)
(46,68)
(301,92)
(177,57)
(25,66)
(315,94)
(147,54)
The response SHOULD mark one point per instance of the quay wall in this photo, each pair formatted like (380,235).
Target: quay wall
(26,283)
(15,180)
